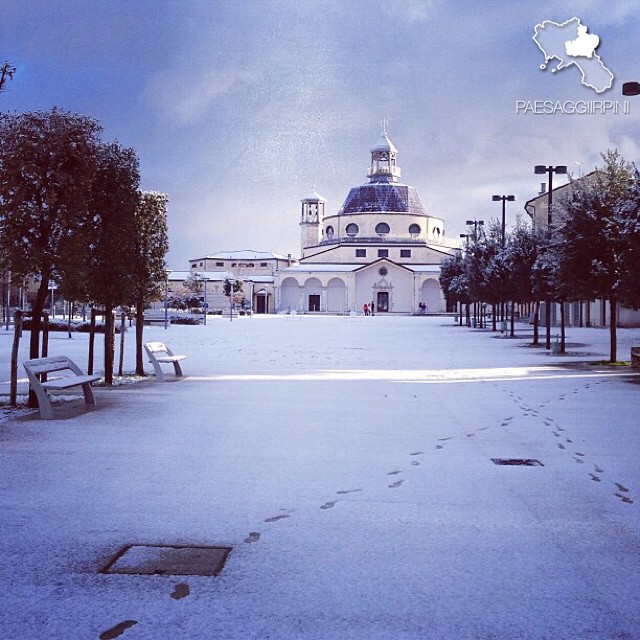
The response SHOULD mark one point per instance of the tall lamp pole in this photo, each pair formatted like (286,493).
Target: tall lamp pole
(476,305)
(541,169)
(505,199)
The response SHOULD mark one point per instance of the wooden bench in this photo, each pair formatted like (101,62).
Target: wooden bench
(159,354)
(37,367)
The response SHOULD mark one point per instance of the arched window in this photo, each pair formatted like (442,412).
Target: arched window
(329,231)
(352,229)
(414,229)
(382,228)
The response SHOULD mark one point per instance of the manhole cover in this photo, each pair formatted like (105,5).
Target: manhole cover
(518,462)
(172,560)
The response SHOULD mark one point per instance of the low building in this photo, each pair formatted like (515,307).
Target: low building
(594,313)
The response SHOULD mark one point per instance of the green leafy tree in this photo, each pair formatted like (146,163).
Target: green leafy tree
(593,246)
(47,167)
(151,243)
(110,262)
(521,253)
(453,279)
(629,220)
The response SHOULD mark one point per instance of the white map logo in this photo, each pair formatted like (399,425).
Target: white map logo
(570,43)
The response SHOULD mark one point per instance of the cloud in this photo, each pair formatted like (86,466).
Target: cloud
(186,97)
(411,11)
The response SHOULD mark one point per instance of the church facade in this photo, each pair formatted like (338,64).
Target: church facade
(382,247)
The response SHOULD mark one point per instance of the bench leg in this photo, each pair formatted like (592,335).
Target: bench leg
(176,366)
(157,370)
(44,404)
(88,394)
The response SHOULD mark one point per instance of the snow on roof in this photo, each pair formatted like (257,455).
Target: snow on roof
(319,266)
(315,196)
(244,254)
(202,275)
(384,144)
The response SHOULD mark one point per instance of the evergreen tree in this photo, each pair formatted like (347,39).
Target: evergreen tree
(47,167)
(593,241)
(110,264)
(151,244)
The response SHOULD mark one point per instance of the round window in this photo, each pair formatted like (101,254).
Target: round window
(352,229)
(329,232)
(383,271)
(414,229)
(382,228)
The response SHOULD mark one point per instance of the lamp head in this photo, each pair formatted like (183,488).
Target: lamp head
(511,198)
(631,89)
(561,169)
(540,168)
(496,198)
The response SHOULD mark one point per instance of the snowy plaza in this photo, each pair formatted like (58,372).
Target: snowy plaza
(350,464)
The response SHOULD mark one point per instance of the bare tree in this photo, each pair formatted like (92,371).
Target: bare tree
(6,73)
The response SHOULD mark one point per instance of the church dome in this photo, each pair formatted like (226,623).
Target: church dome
(383,193)
(391,197)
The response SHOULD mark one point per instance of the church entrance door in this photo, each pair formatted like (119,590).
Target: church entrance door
(383,301)
(314,302)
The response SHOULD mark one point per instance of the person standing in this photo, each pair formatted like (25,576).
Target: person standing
(365,308)
(372,308)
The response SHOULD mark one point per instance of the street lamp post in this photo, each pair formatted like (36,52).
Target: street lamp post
(505,199)
(476,305)
(541,169)
(466,237)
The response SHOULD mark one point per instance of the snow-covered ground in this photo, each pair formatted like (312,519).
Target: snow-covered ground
(348,462)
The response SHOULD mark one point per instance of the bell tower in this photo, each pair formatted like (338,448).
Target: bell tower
(311,220)
(383,160)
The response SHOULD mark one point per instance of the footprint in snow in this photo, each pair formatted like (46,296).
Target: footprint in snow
(595,478)
(118,630)
(621,487)
(344,492)
(397,483)
(626,499)
(328,505)
(254,536)
(393,473)
(181,591)
(276,518)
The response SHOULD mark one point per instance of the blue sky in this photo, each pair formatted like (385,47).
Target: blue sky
(239,108)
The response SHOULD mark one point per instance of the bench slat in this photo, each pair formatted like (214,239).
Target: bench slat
(66,383)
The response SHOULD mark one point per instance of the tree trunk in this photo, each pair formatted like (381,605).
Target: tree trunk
(536,323)
(613,305)
(92,339)
(139,337)
(17,332)
(563,333)
(36,314)
(512,332)
(547,320)
(122,330)
(494,325)
(69,322)
(109,343)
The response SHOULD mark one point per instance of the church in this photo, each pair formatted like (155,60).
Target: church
(382,247)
